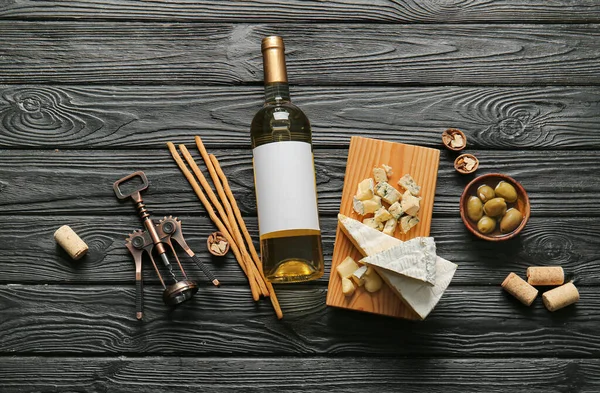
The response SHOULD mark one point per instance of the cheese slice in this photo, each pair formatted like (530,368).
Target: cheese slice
(414,258)
(419,297)
(368,240)
(422,298)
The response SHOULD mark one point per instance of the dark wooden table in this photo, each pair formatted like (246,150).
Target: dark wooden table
(91,91)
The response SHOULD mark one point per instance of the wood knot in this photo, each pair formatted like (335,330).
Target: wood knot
(522,124)
(551,248)
(30,104)
(33,110)
(99,247)
(46,115)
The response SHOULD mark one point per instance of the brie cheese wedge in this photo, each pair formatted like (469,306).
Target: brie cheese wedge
(414,258)
(419,297)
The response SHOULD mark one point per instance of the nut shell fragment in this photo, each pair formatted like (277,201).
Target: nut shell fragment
(466,163)
(217,244)
(454,139)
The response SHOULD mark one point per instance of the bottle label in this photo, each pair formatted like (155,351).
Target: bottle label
(286,194)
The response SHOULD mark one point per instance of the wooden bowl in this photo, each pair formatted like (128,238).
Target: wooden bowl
(521,204)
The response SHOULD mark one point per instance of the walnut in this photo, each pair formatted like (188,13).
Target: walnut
(466,163)
(217,244)
(454,139)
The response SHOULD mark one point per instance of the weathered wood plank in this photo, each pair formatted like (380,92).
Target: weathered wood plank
(318,54)
(468,321)
(80,182)
(28,253)
(307,374)
(384,11)
(147,117)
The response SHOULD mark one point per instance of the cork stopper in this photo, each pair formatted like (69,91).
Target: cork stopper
(545,275)
(519,288)
(560,297)
(70,242)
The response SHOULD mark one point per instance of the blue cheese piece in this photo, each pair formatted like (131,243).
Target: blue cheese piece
(365,190)
(409,184)
(373,223)
(358,206)
(407,223)
(396,210)
(382,215)
(388,170)
(390,226)
(419,297)
(366,207)
(388,193)
(414,258)
(379,175)
(410,204)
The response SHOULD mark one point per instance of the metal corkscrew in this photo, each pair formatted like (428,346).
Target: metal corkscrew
(155,239)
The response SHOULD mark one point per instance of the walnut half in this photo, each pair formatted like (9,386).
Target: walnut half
(454,139)
(217,244)
(466,163)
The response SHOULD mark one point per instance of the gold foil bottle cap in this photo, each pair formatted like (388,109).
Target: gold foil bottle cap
(273,52)
(272,42)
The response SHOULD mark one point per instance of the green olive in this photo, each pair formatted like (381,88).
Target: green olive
(507,191)
(485,193)
(495,207)
(474,208)
(486,225)
(511,220)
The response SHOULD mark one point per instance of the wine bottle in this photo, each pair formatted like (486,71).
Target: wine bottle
(284,179)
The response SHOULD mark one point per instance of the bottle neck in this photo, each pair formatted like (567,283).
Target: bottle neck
(277,93)
(276,83)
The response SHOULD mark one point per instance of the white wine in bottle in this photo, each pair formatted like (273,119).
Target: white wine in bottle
(284,179)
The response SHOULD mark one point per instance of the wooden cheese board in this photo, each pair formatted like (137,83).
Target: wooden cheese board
(365,154)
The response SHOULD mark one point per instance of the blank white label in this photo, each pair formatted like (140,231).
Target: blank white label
(286,194)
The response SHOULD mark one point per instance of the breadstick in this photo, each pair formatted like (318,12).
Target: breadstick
(188,175)
(519,288)
(242,224)
(211,195)
(236,233)
(236,210)
(545,275)
(233,230)
(560,297)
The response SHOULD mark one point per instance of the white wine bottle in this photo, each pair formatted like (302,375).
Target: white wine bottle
(284,179)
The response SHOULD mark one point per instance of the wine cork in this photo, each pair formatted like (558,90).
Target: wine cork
(545,275)
(70,242)
(519,288)
(560,297)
